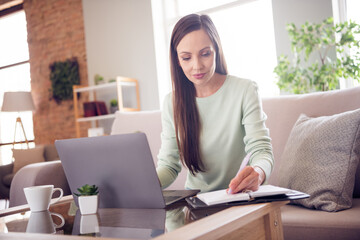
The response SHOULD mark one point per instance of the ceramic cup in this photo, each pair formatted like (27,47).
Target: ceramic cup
(39,197)
(42,222)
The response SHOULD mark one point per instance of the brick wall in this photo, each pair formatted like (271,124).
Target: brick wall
(55,33)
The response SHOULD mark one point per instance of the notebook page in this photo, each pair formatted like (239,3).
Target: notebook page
(221,196)
(269,190)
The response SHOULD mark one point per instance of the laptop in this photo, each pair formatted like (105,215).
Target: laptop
(121,166)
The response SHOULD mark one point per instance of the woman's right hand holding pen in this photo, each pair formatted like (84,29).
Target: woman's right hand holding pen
(249,178)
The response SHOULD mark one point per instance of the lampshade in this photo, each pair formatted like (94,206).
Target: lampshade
(17,102)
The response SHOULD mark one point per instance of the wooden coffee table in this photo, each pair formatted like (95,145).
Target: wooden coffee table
(257,221)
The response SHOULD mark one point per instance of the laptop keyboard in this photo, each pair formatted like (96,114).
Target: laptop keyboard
(170,198)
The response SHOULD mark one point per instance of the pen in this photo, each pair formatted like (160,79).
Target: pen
(244,163)
(242,166)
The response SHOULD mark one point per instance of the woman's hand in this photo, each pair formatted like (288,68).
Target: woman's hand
(250,178)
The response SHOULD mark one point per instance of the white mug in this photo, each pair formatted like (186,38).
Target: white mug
(41,222)
(39,197)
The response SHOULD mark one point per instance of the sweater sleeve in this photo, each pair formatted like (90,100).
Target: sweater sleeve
(257,140)
(168,165)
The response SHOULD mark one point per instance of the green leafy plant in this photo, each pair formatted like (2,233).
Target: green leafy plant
(316,41)
(98,79)
(63,76)
(113,102)
(87,190)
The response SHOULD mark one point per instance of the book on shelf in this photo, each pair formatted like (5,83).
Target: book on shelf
(265,193)
(94,108)
(101,108)
(89,109)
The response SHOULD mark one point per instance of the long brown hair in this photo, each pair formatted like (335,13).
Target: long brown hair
(186,115)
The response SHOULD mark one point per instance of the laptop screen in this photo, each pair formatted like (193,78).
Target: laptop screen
(120,165)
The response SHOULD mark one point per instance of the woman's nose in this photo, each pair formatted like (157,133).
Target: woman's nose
(197,64)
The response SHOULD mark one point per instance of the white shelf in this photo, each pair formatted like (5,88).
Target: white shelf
(101,117)
(104,85)
(120,82)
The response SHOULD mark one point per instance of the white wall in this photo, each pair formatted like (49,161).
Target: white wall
(120,42)
(298,12)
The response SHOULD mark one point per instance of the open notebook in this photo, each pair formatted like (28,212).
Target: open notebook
(221,196)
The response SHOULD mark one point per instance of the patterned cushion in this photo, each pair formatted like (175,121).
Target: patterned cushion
(320,158)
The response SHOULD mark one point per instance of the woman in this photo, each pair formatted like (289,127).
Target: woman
(211,120)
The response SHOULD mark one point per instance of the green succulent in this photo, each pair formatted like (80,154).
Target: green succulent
(113,102)
(87,190)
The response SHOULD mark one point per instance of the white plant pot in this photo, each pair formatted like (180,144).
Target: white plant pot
(88,204)
(89,224)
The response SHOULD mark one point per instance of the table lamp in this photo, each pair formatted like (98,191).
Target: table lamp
(18,102)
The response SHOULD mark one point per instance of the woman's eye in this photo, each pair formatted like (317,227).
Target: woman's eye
(205,54)
(185,58)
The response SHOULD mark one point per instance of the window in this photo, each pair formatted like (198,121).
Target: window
(352,12)
(14,76)
(246,31)
(248,40)
(344,10)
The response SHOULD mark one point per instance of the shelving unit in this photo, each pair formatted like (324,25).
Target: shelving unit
(119,84)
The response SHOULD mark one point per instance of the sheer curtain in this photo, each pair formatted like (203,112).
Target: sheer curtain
(14,76)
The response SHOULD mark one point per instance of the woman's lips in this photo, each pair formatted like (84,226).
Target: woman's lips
(199,75)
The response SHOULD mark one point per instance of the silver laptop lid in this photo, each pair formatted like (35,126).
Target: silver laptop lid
(120,165)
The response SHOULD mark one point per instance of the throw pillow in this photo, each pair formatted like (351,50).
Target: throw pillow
(320,158)
(23,157)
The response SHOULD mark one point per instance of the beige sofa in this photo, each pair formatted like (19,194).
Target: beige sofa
(42,173)
(282,112)
(6,171)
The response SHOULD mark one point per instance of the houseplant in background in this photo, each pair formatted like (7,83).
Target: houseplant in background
(316,41)
(98,79)
(113,105)
(63,75)
(88,198)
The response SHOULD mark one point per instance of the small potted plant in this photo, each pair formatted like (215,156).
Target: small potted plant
(98,79)
(88,199)
(113,105)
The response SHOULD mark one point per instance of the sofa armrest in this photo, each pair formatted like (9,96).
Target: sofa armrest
(44,173)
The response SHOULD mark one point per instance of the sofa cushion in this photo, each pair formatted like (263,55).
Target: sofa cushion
(321,157)
(302,223)
(23,157)
(357,183)
(283,111)
(50,152)
(7,179)
(148,122)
